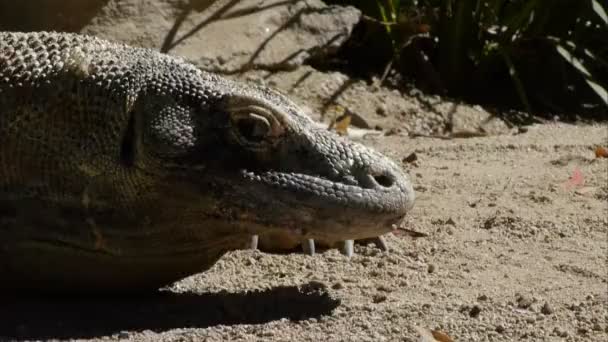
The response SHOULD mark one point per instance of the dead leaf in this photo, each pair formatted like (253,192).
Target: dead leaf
(601,152)
(441,336)
(341,121)
(427,335)
(335,111)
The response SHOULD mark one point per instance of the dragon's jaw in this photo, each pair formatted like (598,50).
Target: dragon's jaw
(284,210)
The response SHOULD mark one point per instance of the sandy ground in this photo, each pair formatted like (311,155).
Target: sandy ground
(513,229)
(512,247)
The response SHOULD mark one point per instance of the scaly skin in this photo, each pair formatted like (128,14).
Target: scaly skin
(123,169)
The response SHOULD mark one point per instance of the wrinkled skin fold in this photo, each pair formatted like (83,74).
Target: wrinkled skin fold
(124,169)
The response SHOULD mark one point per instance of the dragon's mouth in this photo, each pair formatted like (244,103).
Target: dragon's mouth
(343,193)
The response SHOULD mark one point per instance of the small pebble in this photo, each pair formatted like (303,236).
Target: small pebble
(546,309)
(500,329)
(431,268)
(381,110)
(385,288)
(379,298)
(393,131)
(475,310)
(482,298)
(337,286)
(524,302)
(560,332)
(412,157)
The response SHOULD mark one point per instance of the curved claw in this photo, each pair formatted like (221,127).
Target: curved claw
(308,247)
(348,248)
(253,243)
(380,242)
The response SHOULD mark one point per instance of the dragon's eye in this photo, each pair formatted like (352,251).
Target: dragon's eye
(254,126)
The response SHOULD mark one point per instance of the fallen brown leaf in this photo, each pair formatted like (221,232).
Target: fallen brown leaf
(341,120)
(427,335)
(441,336)
(601,152)
(342,123)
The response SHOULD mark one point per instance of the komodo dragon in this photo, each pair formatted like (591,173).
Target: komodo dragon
(125,169)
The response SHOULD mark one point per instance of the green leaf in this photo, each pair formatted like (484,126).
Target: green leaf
(587,53)
(384,17)
(599,90)
(578,65)
(394,8)
(575,62)
(599,10)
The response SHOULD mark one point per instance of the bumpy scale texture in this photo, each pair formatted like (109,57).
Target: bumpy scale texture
(124,169)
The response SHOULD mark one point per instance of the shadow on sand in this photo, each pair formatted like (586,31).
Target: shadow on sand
(86,317)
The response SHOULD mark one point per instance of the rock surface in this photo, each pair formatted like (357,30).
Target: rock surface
(223,36)
(230,36)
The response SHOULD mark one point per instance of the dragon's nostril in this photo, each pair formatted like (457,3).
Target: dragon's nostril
(373,180)
(384,180)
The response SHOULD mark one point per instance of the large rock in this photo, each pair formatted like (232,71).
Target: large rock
(223,36)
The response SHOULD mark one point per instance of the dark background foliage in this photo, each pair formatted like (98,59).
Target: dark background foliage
(543,56)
